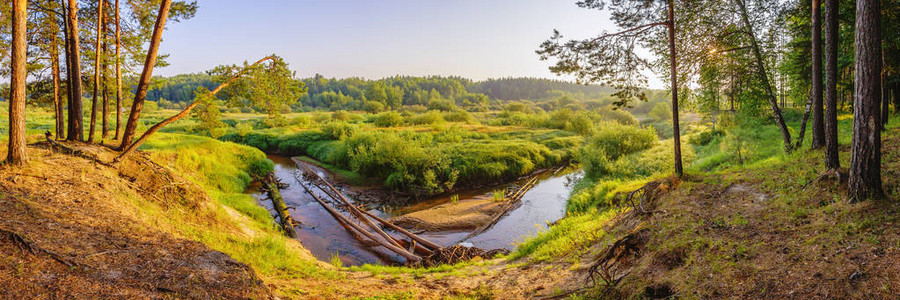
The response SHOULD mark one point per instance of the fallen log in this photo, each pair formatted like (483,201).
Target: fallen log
(352,208)
(381,241)
(270,186)
(424,245)
(414,237)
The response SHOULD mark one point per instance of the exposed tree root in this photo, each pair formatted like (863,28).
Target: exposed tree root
(456,253)
(54,145)
(616,261)
(24,244)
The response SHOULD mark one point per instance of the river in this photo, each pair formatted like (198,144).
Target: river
(325,237)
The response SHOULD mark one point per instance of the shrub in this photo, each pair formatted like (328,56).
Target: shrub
(441,104)
(621,116)
(388,119)
(373,106)
(340,115)
(243,128)
(459,116)
(339,130)
(301,120)
(661,112)
(611,142)
(428,118)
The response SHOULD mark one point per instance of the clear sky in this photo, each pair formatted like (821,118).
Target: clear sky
(477,39)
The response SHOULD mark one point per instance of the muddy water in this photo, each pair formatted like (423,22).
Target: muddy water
(325,237)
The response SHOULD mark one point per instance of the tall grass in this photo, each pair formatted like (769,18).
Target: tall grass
(224,171)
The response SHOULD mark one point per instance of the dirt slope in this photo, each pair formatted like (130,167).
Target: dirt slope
(775,231)
(69,229)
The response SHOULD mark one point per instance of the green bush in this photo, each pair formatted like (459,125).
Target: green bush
(431,117)
(339,130)
(459,116)
(611,142)
(388,119)
(340,115)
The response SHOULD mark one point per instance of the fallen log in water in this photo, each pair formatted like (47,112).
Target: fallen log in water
(416,243)
(270,186)
(355,211)
(358,229)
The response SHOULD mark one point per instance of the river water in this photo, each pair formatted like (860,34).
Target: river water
(325,237)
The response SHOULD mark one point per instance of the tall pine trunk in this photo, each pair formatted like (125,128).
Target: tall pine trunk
(865,157)
(104,80)
(54,67)
(16,150)
(673,68)
(763,75)
(76,124)
(885,96)
(118,77)
(818,128)
(97,53)
(146,74)
(832,161)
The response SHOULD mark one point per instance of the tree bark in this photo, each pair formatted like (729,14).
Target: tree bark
(832,161)
(679,171)
(885,96)
(763,74)
(804,120)
(76,124)
(54,66)
(146,75)
(69,120)
(865,156)
(818,133)
(187,109)
(97,53)
(16,150)
(104,79)
(118,76)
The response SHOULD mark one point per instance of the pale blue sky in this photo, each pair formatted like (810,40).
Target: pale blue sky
(477,39)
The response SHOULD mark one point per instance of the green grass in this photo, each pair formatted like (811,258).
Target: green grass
(224,170)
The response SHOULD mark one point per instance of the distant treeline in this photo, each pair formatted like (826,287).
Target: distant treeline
(433,92)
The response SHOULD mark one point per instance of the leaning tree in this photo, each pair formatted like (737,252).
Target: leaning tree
(268,82)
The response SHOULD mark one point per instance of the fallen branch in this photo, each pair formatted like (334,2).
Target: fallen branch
(25,245)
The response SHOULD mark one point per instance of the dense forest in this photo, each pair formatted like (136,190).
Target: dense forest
(433,92)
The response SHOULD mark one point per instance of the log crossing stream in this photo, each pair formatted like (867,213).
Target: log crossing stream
(325,237)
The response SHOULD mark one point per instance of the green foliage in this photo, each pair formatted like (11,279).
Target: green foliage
(428,118)
(388,119)
(339,130)
(269,87)
(224,171)
(621,116)
(611,142)
(207,110)
(569,238)
(373,107)
(340,115)
(661,112)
